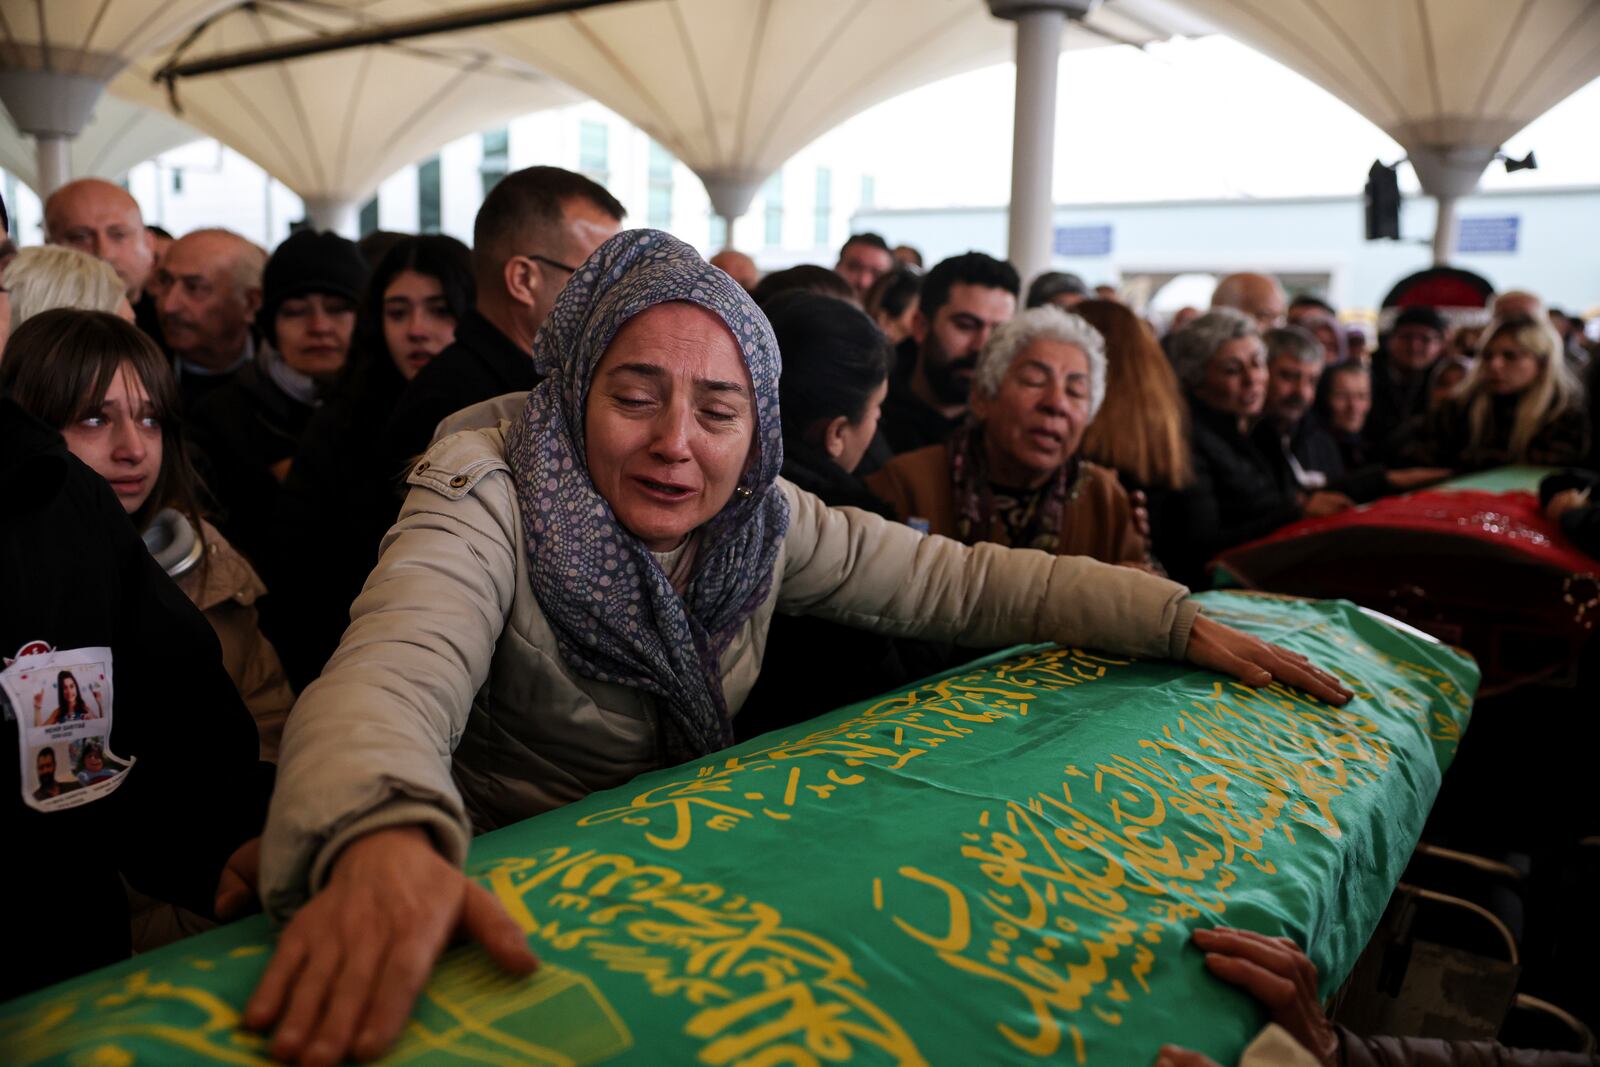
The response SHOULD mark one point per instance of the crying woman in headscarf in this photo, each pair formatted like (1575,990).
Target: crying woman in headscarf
(578,590)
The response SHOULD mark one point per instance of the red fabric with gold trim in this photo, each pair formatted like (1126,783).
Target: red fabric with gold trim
(1508,523)
(1485,571)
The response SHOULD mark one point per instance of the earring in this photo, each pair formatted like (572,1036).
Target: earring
(744,492)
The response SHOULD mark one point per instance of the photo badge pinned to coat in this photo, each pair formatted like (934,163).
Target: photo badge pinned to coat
(62,702)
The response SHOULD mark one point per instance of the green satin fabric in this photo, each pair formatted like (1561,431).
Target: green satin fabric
(999,865)
(1500,480)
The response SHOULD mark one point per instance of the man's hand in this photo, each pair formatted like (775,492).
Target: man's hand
(1257,662)
(351,963)
(1416,477)
(236,888)
(1324,502)
(1280,976)
(1564,502)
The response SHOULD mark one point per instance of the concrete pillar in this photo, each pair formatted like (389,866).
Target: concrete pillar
(341,216)
(1444,231)
(53,108)
(1447,174)
(54,162)
(731,194)
(1040,24)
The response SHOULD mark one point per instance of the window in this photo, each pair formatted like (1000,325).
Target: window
(869,191)
(772,196)
(177,179)
(824,205)
(594,151)
(496,162)
(369,216)
(719,233)
(428,213)
(659,213)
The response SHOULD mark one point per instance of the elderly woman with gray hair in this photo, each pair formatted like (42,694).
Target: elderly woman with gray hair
(1236,495)
(1012,474)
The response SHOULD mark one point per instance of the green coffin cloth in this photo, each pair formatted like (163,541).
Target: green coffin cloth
(1000,865)
(1500,480)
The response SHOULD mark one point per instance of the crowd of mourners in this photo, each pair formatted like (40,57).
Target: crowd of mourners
(413,540)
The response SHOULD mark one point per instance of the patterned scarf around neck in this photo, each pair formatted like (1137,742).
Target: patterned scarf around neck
(1035,523)
(615,614)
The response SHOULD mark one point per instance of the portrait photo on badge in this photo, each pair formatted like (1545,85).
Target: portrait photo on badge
(65,696)
(90,761)
(52,773)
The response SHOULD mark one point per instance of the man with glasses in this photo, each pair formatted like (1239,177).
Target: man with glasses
(535,228)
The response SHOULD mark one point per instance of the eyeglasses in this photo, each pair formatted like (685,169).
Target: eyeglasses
(547,261)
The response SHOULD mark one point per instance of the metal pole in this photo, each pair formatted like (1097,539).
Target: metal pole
(383,33)
(55,162)
(1033,139)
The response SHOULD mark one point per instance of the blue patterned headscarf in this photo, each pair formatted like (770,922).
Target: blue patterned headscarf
(615,614)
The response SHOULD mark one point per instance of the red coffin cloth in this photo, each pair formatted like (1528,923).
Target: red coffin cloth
(1469,523)
(1485,571)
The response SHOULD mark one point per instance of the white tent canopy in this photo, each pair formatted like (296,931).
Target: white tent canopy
(56,58)
(733,88)
(331,127)
(92,38)
(118,137)
(1450,80)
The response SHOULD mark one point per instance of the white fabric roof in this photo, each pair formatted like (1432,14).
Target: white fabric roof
(119,136)
(95,38)
(1431,73)
(333,126)
(733,88)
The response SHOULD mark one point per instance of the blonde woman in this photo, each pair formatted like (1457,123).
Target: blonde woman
(1519,404)
(53,276)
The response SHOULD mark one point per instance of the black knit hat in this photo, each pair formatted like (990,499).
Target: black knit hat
(1420,315)
(309,262)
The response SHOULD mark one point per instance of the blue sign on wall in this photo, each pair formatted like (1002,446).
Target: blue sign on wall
(1487,233)
(1083,241)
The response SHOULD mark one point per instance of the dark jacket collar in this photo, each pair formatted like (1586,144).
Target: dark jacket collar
(813,470)
(1220,423)
(503,357)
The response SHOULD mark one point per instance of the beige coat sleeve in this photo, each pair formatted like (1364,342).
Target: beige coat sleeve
(368,745)
(861,570)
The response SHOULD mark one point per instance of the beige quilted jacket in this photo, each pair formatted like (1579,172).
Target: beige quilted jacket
(447,704)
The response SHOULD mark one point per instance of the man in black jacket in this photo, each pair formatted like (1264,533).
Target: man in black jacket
(1303,453)
(535,228)
(963,300)
(1400,372)
(180,826)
